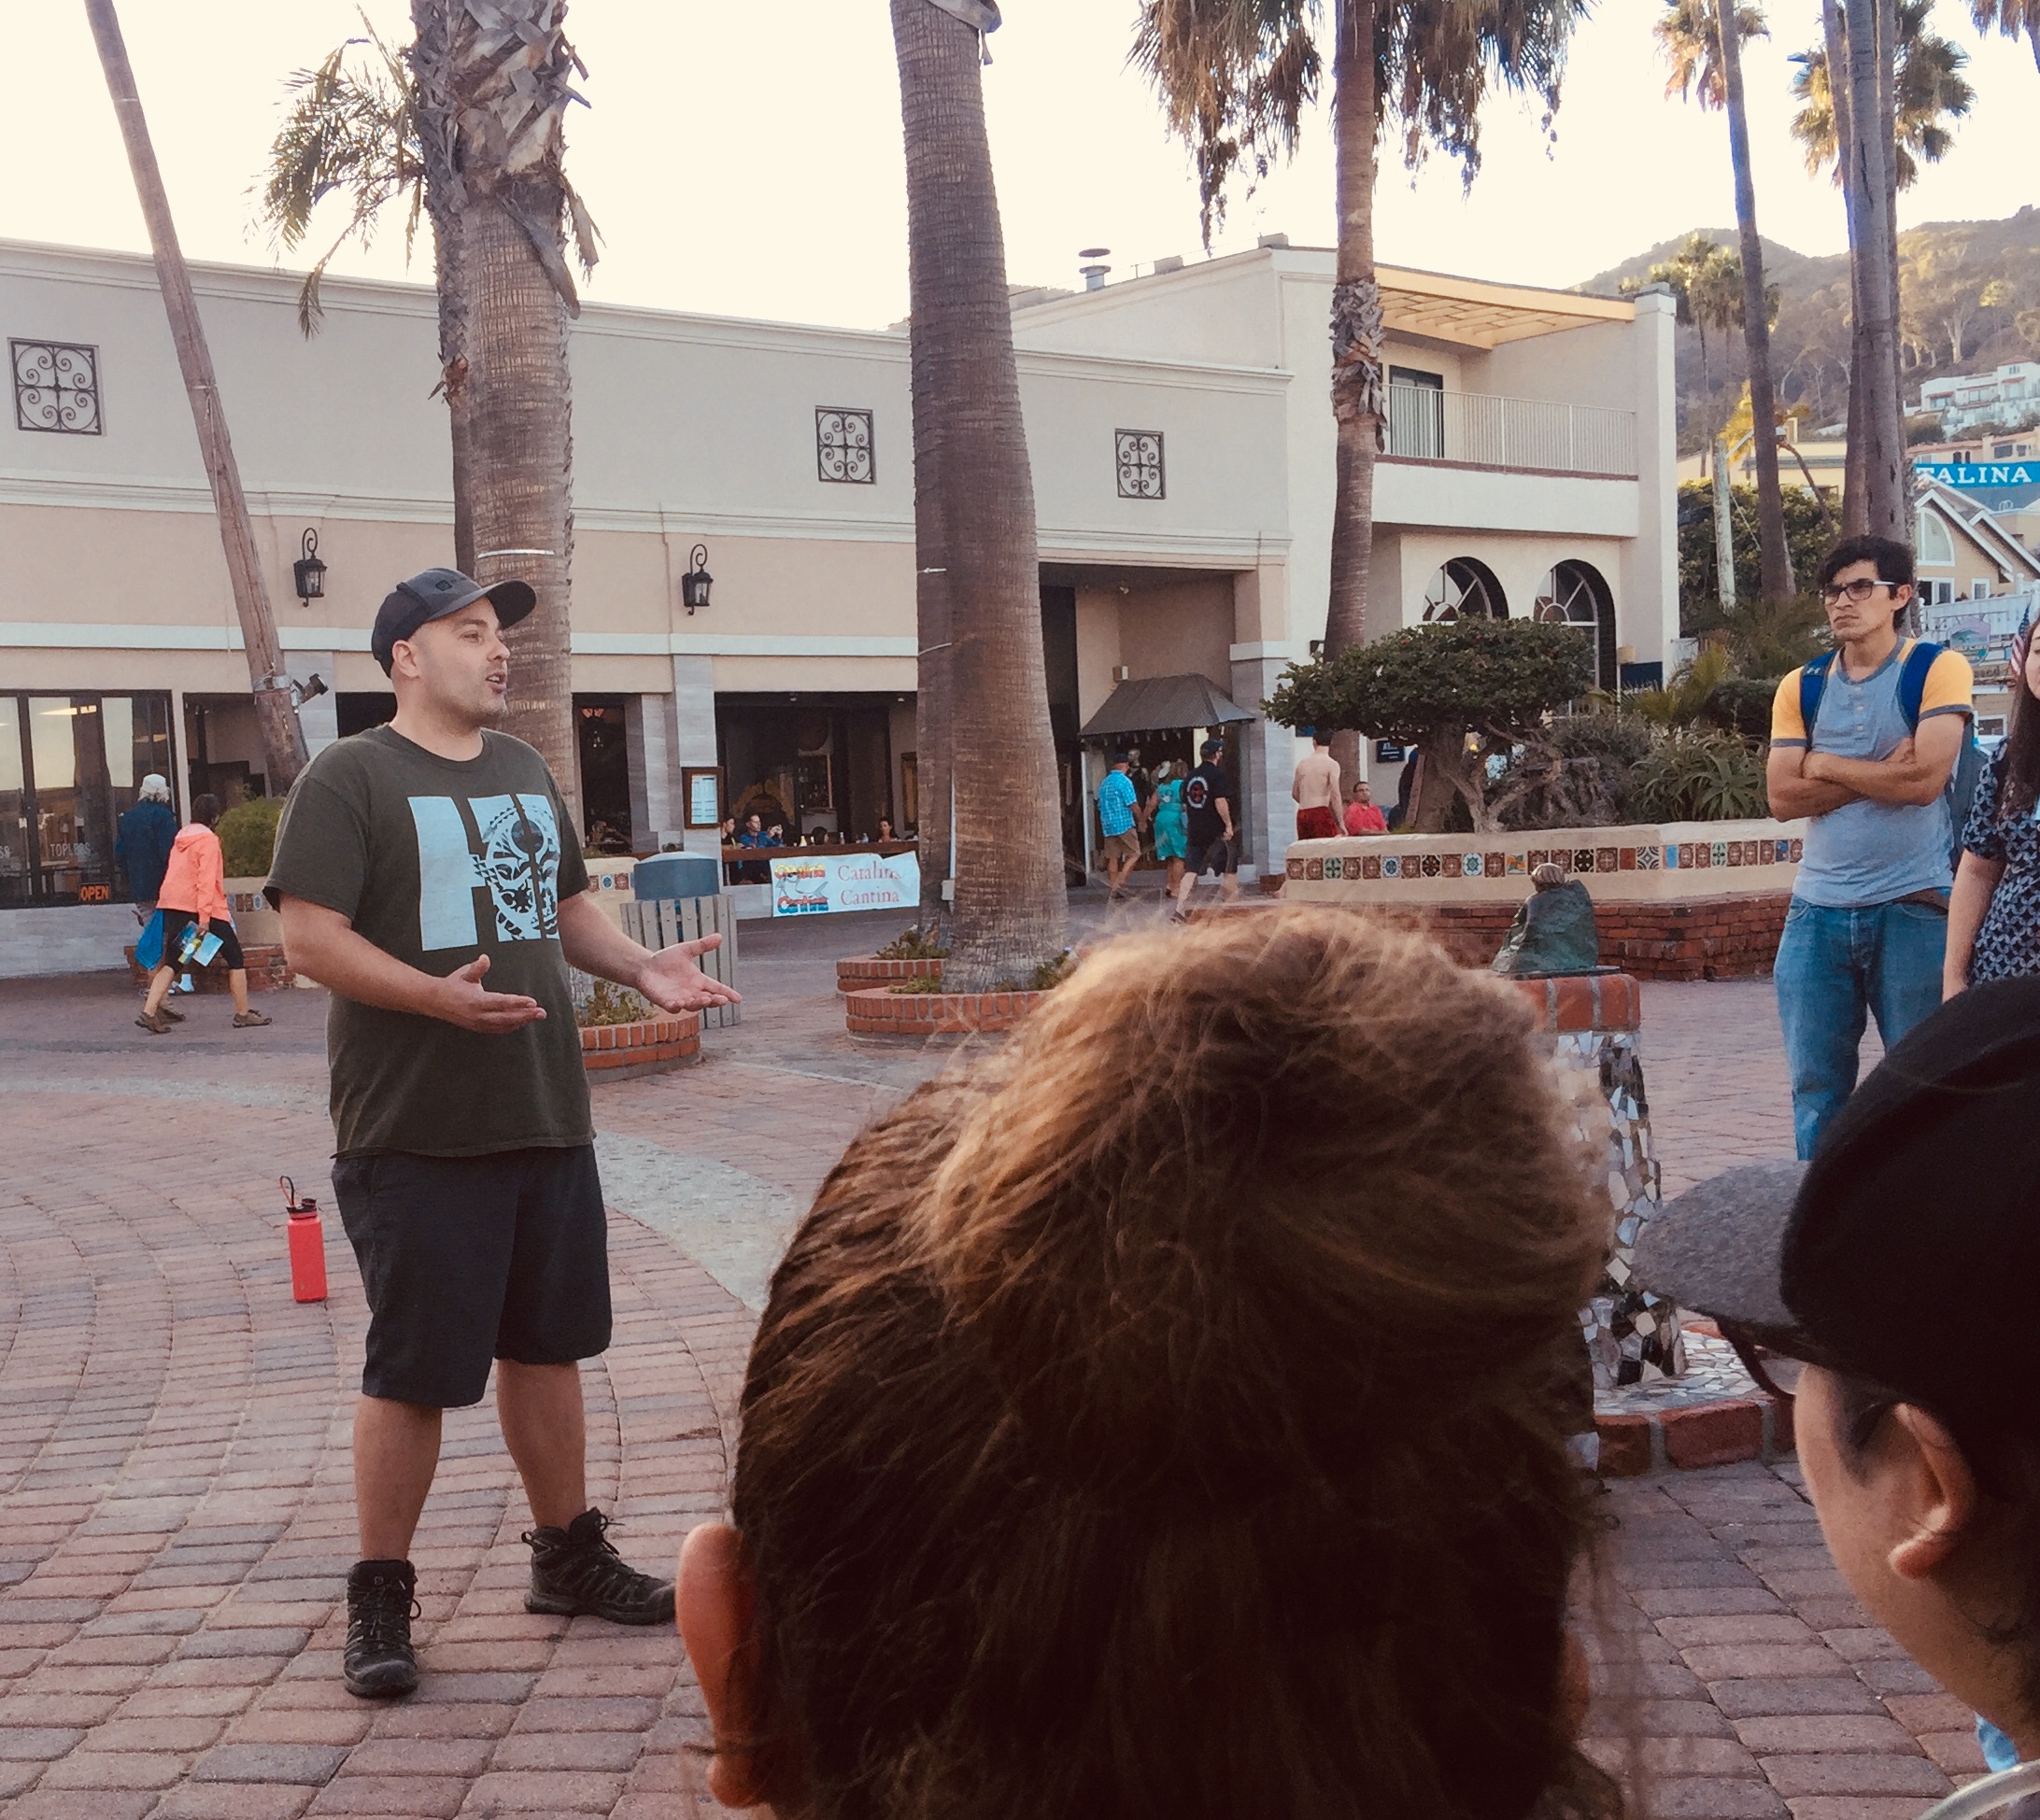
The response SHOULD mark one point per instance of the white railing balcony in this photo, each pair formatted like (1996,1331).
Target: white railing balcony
(1428,425)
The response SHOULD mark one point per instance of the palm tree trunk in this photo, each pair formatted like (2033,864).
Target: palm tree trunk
(1774,570)
(516,297)
(1870,221)
(431,72)
(1855,490)
(932,732)
(1359,380)
(1010,912)
(283,738)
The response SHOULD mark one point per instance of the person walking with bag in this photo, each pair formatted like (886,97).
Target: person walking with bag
(148,832)
(193,900)
(1865,741)
(429,876)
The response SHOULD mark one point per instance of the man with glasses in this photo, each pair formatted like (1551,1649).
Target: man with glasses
(1863,742)
(1883,1290)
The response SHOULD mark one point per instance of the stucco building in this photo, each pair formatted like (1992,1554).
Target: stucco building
(1182,440)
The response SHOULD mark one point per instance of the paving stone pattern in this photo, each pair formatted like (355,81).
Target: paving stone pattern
(175,1510)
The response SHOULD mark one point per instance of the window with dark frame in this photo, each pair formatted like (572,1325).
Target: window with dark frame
(843,446)
(56,387)
(1141,474)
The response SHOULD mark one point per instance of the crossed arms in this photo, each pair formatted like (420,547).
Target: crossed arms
(1805,782)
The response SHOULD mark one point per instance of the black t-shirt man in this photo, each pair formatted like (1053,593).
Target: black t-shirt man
(1201,794)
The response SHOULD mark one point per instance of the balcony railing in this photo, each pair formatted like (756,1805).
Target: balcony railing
(1428,425)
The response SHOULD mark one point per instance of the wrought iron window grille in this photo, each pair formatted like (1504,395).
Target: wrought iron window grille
(1142,471)
(56,387)
(843,446)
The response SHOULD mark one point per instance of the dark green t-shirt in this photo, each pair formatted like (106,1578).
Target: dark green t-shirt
(437,860)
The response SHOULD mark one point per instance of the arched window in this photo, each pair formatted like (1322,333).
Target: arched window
(1936,546)
(1575,594)
(1464,588)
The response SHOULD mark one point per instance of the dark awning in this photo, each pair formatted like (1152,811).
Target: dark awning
(1156,703)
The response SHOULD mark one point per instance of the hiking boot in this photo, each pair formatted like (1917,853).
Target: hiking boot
(380,1663)
(576,1572)
(250,1020)
(154,1022)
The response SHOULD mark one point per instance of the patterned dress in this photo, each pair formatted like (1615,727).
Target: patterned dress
(2008,944)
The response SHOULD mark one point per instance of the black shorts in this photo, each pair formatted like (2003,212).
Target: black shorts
(466,1259)
(175,923)
(1219,856)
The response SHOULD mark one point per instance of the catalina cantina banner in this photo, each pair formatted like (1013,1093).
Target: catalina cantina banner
(845,881)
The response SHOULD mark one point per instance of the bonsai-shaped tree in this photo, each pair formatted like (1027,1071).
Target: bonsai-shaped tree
(1457,692)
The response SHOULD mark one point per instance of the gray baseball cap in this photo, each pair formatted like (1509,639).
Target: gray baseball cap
(433,594)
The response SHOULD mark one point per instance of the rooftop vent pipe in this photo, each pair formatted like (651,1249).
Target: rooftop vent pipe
(1093,274)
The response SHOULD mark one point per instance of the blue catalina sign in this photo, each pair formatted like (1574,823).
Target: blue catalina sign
(1980,476)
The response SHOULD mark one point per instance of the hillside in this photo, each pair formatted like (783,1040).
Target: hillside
(1948,270)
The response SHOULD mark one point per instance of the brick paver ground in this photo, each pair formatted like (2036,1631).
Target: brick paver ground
(176,1509)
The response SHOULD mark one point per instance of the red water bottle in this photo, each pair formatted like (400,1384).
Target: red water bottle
(308,1244)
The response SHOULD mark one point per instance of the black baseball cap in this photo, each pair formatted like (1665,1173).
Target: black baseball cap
(433,594)
(1907,1251)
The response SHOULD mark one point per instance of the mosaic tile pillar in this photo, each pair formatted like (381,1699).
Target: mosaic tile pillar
(1594,1024)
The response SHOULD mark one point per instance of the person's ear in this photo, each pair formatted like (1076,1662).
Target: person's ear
(713,1606)
(1939,1492)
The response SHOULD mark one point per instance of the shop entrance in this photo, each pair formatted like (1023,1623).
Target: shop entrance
(812,763)
(604,757)
(70,766)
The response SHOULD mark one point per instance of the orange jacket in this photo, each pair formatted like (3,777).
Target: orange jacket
(196,880)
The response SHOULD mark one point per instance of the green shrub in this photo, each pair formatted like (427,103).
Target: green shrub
(247,837)
(1575,774)
(915,945)
(1610,738)
(1700,774)
(1741,704)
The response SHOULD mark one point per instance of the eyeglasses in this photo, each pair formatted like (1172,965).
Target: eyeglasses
(1777,1373)
(1859,591)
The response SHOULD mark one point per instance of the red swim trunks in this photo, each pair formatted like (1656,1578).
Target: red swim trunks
(1318,823)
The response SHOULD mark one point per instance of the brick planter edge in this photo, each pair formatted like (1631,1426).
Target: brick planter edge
(1701,1434)
(267,970)
(622,1052)
(861,972)
(877,1013)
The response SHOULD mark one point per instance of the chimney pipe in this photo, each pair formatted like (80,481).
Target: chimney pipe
(1094,273)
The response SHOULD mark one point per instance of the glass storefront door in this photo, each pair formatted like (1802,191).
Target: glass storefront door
(70,766)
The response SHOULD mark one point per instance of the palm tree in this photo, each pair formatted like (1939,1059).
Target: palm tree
(276,713)
(1704,278)
(2014,18)
(1010,911)
(1876,423)
(352,129)
(1933,93)
(1235,77)
(1703,41)
(465,124)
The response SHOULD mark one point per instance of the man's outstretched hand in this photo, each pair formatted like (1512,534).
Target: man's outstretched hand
(672,979)
(465,1001)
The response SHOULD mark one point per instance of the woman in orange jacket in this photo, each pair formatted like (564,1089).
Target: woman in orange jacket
(194,892)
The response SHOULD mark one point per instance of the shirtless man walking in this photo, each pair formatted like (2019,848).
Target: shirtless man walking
(1317,793)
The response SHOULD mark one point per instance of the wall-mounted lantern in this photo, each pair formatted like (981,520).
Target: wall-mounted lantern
(695,584)
(308,572)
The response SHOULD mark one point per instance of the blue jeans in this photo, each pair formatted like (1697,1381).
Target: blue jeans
(1833,967)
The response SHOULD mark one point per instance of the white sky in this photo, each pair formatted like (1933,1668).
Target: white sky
(746,160)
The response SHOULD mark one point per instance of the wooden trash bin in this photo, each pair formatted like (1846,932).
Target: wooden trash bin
(666,922)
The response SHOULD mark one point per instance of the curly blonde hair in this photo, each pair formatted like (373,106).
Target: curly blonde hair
(1164,1417)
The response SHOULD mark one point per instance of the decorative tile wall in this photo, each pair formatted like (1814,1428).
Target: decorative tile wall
(1686,855)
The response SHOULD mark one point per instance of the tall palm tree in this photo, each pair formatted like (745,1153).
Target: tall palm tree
(1876,412)
(466,125)
(1010,912)
(1703,39)
(1235,77)
(351,129)
(276,713)
(1933,95)
(2014,18)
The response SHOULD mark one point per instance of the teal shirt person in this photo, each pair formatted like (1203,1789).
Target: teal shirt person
(1171,824)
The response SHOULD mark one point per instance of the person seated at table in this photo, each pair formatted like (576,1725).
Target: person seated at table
(886,829)
(1134,1527)
(1882,1290)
